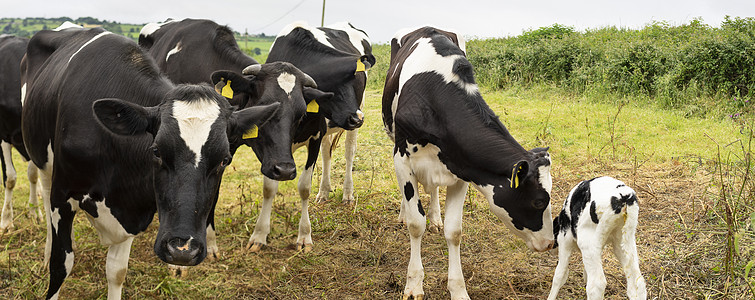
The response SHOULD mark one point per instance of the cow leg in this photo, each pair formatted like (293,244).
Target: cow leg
(625,249)
(590,244)
(325,189)
(33,174)
(349,152)
(433,212)
(454,211)
(116,266)
(211,237)
(415,221)
(304,239)
(262,227)
(565,249)
(61,252)
(9,172)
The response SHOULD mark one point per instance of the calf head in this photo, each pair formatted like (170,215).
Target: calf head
(191,128)
(523,202)
(277,82)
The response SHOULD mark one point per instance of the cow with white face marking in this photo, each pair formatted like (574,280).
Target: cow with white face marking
(338,61)
(190,50)
(446,135)
(12,49)
(598,212)
(113,137)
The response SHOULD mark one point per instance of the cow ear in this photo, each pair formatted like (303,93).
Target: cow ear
(315,98)
(229,83)
(247,121)
(364,63)
(126,118)
(519,173)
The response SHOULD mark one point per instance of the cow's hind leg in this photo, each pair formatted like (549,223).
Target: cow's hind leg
(454,211)
(116,266)
(416,223)
(262,227)
(625,249)
(325,189)
(433,212)
(561,273)
(9,175)
(349,152)
(61,252)
(35,211)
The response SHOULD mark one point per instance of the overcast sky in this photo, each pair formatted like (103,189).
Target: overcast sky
(382,18)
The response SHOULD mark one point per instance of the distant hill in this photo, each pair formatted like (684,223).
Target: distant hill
(255,45)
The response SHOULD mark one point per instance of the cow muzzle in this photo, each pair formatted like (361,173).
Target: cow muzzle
(355,120)
(284,171)
(184,252)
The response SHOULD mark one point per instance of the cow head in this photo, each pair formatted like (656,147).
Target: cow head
(523,202)
(346,78)
(277,82)
(191,128)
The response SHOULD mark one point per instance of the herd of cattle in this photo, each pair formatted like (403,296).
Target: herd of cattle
(122,131)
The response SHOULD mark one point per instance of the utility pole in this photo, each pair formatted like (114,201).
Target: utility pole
(322,21)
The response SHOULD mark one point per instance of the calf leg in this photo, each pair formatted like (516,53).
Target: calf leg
(349,153)
(416,222)
(625,249)
(116,266)
(592,247)
(454,212)
(433,212)
(9,172)
(33,174)
(565,249)
(262,227)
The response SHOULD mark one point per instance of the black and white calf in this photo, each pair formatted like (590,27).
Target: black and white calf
(338,61)
(192,51)
(446,135)
(598,212)
(112,137)
(12,49)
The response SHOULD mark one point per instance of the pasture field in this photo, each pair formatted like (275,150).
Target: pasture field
(361,252)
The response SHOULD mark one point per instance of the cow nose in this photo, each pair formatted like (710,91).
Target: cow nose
(183,252)
(356,121)
(284,171)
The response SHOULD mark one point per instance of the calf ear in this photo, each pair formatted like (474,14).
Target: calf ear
(250,118)
(229,83)
(315,98)
(126,118)
(519,173)
(368,61)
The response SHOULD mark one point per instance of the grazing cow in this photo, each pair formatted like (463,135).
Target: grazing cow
(446,135)
(12,49)
(190,50)
(613,210)
(337,60)
(113,137)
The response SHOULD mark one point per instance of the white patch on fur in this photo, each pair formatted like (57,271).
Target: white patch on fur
(287,82)
(69,262)
(425,59)
(150,28)
(355,36)
(173,51)
(66,25)
(89,42)
(319,34)
(546,181)
(109,229)
(195,119)
(23,94)
(427,167)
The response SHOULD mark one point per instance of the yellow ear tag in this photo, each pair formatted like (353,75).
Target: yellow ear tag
(360,66)
(251,133)
(313,107)
(227,91)
(514,178)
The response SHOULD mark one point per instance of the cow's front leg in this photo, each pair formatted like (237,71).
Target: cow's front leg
(9,174)
(61,251)
(212,243)
(116,266)
(454,211)
(326,154)
(304,239)
(262,227)
(349,152)
(414,216)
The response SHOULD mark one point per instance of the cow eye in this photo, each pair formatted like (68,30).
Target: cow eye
(226,161)
(540,204)
(155,152)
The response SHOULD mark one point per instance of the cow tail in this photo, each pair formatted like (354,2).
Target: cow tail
(336,139)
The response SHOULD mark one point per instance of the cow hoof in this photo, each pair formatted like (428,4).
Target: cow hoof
(6,227)
(304,248)
(321,198)
(255,247)
(415,297)
(348,200)
(178,271)
(213,256)
(435,228)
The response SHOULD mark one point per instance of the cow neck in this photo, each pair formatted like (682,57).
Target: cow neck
(483,147)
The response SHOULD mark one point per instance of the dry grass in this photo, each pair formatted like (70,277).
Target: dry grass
(361,252)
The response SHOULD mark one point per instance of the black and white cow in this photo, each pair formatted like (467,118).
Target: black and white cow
(337,60)
(113,137)
(613,211)
(190,50)
(446,135)
(12,49)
